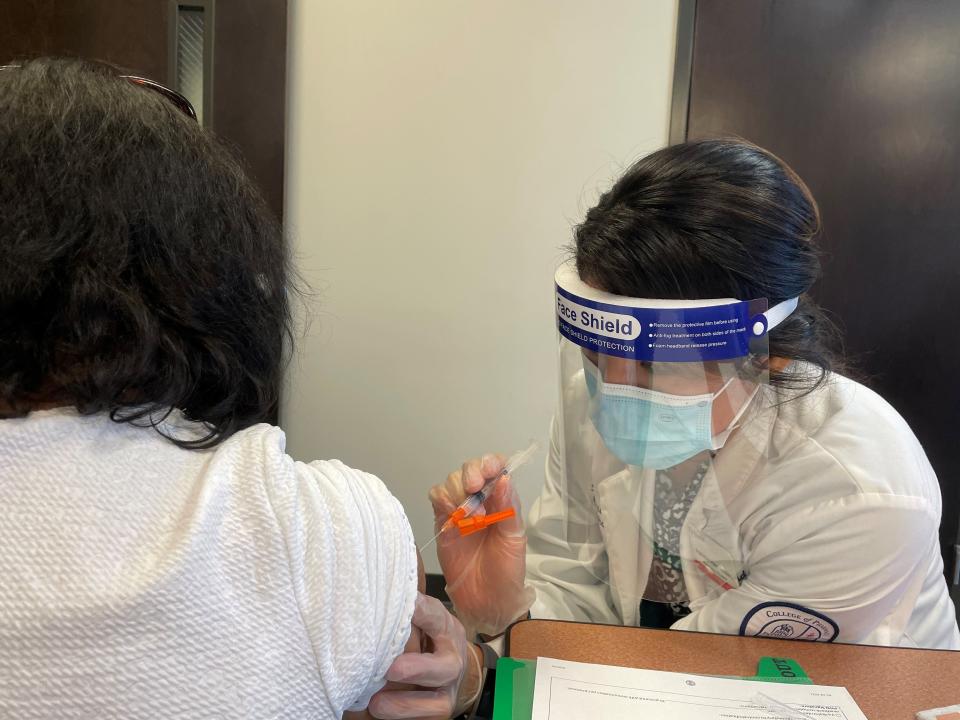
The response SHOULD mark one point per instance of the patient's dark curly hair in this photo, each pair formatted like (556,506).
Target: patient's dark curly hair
(140,269)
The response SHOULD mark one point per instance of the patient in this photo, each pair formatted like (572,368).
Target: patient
(160,554)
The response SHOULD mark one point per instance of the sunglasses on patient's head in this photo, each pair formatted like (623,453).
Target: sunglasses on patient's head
(181,103)
(172,95)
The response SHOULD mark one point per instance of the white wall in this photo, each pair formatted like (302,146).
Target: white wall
(439,152)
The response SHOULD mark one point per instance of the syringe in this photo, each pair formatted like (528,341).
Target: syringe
(474,501)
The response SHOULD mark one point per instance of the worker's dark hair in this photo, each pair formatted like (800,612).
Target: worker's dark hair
(715,219)
(140,269)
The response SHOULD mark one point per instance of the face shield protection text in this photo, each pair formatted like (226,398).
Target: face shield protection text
(667,334)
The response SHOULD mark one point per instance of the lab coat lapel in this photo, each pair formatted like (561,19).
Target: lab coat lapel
(710,539)
(625,502)
(709,545)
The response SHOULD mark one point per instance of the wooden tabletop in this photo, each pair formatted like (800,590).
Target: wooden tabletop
(887,683)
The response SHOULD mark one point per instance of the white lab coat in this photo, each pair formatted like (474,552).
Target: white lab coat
(833,529)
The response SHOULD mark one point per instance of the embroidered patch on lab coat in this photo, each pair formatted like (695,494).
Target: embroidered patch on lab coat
(786,620)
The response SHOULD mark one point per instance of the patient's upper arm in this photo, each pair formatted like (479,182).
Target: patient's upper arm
(413,645)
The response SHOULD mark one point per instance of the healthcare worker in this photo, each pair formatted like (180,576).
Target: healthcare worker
(709,469)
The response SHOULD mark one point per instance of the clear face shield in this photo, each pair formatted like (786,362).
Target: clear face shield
(660,401)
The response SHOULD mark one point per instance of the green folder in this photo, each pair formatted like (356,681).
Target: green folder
(513,693)
(513,696)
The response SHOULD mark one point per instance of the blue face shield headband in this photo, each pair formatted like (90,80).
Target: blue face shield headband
(653,426)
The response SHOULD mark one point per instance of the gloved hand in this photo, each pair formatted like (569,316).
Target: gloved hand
(485,571)
(448,672)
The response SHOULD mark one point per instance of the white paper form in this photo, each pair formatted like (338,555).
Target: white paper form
(581,691)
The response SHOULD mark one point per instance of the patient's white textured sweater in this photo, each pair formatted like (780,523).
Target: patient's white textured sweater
(142,580)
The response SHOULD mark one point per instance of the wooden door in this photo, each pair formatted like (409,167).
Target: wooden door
(862,98)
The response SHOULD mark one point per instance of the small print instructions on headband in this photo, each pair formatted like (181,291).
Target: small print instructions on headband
(695,335)
(573,691)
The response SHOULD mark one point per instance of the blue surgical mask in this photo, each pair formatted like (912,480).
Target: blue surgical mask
(652,429)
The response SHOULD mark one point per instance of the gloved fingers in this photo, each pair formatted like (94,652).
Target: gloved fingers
(442,504)
(445,664)
(446,496)
(468,479)
(505,497)
(492,465)
(445,633)
(475,473)
(472,476)
(398,704)
(436,669)
(454,486)
(442,669)
(464,555)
